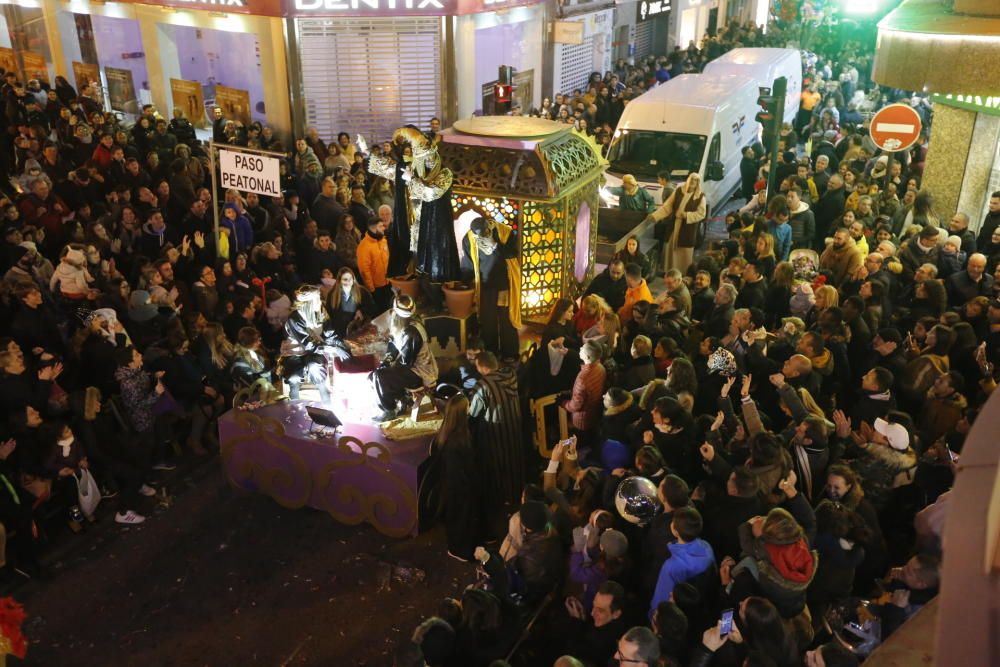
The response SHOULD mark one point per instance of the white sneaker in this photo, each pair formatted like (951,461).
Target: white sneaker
(147,490)
(129,517)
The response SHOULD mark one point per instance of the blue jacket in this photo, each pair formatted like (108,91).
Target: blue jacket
(241,231)
(782,239)
(686,562)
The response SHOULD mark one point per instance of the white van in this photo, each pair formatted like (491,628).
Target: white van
(765,65)
(692,123)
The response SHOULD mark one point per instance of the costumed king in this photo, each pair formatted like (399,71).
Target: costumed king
(428,182)
(310,338)
(490,261)
(408,363)
(679,217)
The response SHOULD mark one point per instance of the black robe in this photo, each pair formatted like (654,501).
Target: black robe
(495,419)
(398,234)
(437,249)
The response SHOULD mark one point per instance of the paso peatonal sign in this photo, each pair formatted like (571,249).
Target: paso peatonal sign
(250,173)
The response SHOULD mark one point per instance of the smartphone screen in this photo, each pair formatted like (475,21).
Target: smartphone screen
(726,624)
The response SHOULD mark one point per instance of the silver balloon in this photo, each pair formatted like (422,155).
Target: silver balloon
(636,500)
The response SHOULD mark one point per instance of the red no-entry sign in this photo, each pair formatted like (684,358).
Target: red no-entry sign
(895,127)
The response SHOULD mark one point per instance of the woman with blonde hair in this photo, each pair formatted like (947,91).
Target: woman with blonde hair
(593,308)
(215,357)
(348,303)
(459,498)
(826,297)
(687,208)
(765,261)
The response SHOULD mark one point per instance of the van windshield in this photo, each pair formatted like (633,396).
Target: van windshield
(645,153)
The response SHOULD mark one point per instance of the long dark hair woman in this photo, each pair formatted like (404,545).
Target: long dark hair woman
(460,500)
(560,324)
(348,302)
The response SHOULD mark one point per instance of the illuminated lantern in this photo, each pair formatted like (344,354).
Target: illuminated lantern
(542,179)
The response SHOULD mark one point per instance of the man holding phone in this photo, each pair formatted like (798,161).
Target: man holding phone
(596,642)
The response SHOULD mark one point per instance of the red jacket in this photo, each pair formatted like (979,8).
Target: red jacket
(587,403)
(51,219)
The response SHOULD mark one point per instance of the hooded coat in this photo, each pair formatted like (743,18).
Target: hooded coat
(241,231)
(782,568)
(842,262)
(687,560)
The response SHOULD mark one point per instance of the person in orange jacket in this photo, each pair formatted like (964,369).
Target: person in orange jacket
(637,291)
(373,264)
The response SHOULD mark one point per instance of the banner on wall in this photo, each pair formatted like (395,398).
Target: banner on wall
(524,89)
(235,103)
(35,66)
(85,73)
(189,96)
(489,101)
(121,90)
(8,60)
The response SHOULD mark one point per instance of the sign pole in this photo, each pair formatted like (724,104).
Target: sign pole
(215,199)
(779,91)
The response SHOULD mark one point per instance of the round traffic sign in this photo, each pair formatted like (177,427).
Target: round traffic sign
(895,127)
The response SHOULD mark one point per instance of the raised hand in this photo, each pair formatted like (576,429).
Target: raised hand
(719,421)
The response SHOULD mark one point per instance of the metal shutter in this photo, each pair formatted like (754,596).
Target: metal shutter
(644,39)
(370,75)
(576,62)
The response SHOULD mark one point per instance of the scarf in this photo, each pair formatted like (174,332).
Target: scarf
(486,244)
(67,445)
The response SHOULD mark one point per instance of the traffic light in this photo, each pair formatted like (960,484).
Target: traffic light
(503,90)
(769,111)
(770,117)
(767,103)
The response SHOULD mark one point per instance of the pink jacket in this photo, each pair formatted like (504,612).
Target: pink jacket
(587,403)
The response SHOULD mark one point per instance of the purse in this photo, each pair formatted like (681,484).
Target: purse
(166,404)
(88,493)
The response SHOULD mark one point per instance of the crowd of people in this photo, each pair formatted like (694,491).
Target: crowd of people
(126,326)
(797,395)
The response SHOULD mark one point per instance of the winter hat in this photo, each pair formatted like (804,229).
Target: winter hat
(614,544)
(896,434)
(29,246)
(929,232)
(796,324)
(803,299)
(722,362)
(615,454)
(75,257)
(881,165)
(955,241)
(534,515)
(139,307)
